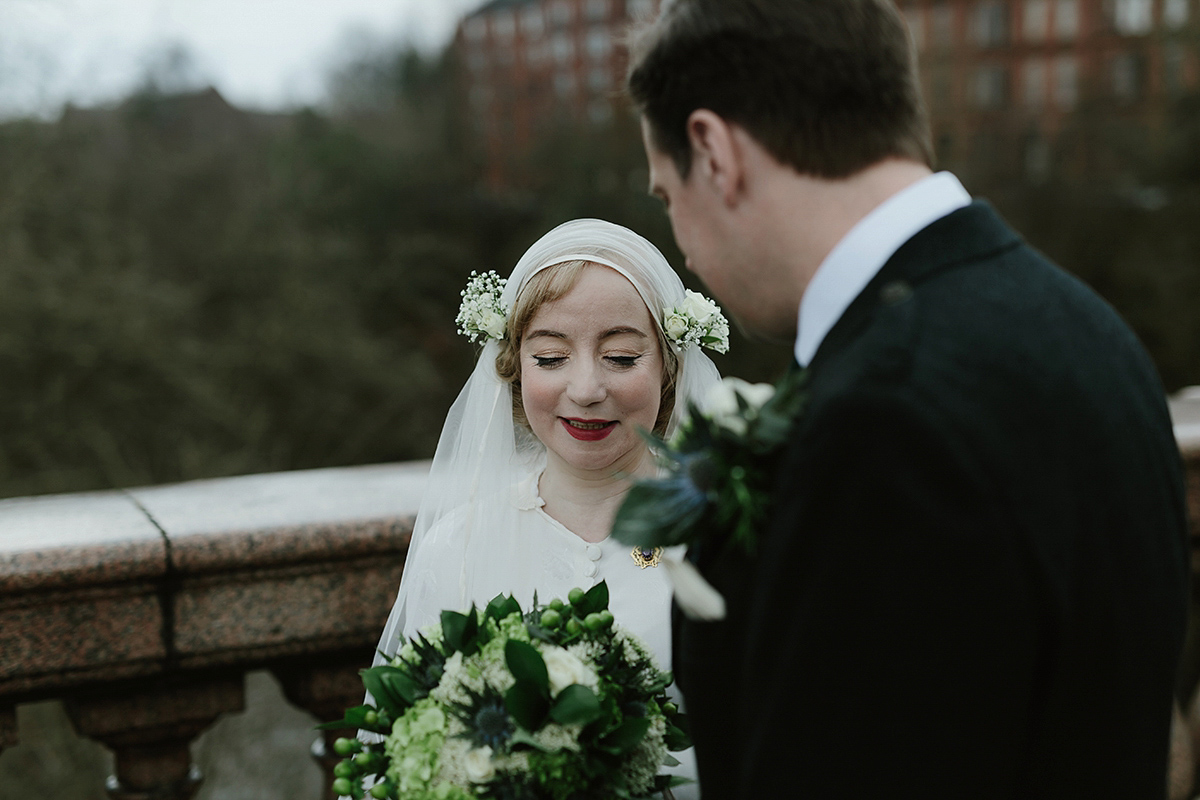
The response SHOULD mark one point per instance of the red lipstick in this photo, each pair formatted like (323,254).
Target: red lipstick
(588,430)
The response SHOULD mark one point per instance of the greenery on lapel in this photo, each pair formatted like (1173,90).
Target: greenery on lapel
(718,469)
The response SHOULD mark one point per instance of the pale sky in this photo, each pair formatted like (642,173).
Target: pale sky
(258,53)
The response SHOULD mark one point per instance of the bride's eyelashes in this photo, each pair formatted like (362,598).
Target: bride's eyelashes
(620,362)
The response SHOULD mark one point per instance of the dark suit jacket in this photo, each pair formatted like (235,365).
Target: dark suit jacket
(974,581)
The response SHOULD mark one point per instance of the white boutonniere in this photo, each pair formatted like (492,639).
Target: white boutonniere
(715,488)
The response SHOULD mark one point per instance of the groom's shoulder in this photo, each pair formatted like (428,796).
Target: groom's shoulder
(969,317)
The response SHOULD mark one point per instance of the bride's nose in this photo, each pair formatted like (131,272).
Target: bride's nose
(586,385)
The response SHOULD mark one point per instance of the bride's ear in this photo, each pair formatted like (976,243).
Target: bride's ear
(716,156)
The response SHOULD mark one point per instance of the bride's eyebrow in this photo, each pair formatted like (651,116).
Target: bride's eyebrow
(623,329)
(544,333)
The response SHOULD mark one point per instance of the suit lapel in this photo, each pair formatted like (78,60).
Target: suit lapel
(960,238)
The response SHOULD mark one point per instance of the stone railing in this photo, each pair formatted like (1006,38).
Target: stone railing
(143,610)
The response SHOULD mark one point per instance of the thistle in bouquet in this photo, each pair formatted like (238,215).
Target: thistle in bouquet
(555,702)
(717,469)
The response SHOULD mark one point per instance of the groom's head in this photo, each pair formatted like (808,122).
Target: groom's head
(770,124)
(827,87)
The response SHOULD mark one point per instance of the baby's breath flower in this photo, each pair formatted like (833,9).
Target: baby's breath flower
(482,315)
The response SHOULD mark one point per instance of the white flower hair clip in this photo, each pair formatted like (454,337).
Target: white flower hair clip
(697,321)
(482,316)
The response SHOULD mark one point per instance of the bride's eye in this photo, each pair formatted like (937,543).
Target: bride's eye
(549,361)
(623,361)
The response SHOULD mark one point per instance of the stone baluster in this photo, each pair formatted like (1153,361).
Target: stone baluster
(326,692)
(150,729)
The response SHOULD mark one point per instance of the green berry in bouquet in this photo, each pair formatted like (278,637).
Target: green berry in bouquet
(515,705)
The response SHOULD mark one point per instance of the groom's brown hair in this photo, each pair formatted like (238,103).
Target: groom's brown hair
(828,87)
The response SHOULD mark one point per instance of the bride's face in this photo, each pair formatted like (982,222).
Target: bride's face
(591,373)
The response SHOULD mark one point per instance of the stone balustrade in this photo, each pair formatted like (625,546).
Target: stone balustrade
(142,610)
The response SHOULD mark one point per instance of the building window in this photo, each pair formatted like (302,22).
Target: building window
(564,84)
(1175,12)
(503,26)
(941,24)
(599,43)
(1128,76)
(560,13)
(600,79)
(940,88)
(1034,79)
(476,29)
(990,86)
(1036,22)
(1066,19)
(990,24)
(639,9)
(597,10)
(1174,59)
(1037,157)
(532,24)
(600,111)
(481,98)
(563,48)
(916,26)
(1131,17)
(1066,81)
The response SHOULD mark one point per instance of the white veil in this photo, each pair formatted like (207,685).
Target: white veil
(481,454)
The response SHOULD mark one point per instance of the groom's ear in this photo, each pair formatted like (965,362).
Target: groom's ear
(716,155)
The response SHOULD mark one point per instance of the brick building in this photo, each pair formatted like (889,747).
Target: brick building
(1024,85)
(1014,86)
(529,65)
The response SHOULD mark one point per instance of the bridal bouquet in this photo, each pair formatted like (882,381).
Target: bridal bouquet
(556,703)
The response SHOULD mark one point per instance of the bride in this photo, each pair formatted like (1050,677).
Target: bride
(543,442)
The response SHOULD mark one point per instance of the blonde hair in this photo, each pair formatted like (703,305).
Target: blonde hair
(548,285)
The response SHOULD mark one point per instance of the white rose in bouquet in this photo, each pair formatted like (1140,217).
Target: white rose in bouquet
(479,766)
(565,670)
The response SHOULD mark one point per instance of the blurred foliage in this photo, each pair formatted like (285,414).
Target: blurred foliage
(189,290)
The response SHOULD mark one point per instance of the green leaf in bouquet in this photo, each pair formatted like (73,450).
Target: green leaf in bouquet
(524,737)
(391,688)
(527,665)
(660,683)
(594,600)
(461,631)
(671,761)
(502,606)
(677,737)
(576,705)
(628,735)
(526,705)
(356,717)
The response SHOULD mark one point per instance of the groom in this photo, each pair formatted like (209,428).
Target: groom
(973,581)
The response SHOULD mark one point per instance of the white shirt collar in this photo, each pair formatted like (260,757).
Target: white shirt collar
(863,251)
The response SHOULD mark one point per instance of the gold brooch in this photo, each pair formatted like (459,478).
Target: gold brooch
(646,556)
